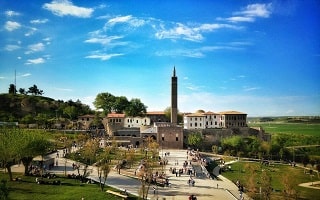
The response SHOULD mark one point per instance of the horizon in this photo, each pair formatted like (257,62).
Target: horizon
(256,57)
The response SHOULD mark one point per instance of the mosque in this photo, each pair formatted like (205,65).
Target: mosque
(134,131)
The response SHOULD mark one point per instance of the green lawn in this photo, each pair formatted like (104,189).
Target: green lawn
(69,189)
(277,172)
(290,128)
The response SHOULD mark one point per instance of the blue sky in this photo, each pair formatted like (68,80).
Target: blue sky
(257,57)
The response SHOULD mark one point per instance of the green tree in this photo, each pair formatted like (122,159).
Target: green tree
(145,174)
(71,111)
(195,139)
(103,171)
(12,89)
(136,108)
(34,90)
(22,91)
(167,113)
(120,104)
(104,101)
(234,143)
(266,188)
(4,190)
(9,148)
(32,144)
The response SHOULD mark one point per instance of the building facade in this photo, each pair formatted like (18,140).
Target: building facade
(207,120)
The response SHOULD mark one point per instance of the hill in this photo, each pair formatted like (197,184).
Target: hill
(26,108)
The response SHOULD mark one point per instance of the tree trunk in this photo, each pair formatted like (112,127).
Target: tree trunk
(26,162)
(8,167)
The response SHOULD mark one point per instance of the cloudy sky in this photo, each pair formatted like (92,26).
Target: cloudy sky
(257,57)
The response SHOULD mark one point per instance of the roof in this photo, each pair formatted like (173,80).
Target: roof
(232,112)
(200,114)
(155,113)
(116,115)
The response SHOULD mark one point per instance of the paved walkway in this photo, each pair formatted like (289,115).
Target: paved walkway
(204,189)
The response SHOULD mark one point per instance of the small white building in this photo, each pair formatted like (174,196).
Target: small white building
(136,122)
(202,120)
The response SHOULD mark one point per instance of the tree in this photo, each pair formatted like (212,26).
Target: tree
(136,108)
(12,89)
(4,190)
(105,101)
(195,139)
(266,188)
(289,183)
(35,91)
(9,148)
(103,171)
(120,104)
(146,171)
(22,91)
(32,144)
(71,111)
(167,113)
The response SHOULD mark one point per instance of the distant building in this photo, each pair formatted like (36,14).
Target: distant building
(201,120)
(157,116)
(232,119)
(85,121)
(207,120)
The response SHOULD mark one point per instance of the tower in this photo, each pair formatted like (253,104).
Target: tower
(174,97)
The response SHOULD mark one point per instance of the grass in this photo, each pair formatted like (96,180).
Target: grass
(277,172)
(290,128)
(69,189)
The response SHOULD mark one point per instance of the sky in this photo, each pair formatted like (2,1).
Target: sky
(257,57)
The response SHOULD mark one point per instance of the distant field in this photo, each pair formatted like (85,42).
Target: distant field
(290,128)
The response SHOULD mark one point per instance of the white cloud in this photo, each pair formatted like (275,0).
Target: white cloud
(197,52)
(250,13)
(35,61)
(11,13)
(132,22)
(11,26)
(31,32)
(65,7)
(26,75)
(35,48)
(63,89)
(247,89)
(103,56)
(39,21)
(240,19)
(11,47)
(191,33)
(104,40)
(121,19)
(256,10)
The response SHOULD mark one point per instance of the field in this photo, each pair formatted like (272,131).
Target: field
(239,171)
(303,126)
(69,189)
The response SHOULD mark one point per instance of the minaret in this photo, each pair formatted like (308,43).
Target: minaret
(174,97)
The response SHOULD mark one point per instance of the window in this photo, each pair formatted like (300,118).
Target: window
(162,138)
(177,139)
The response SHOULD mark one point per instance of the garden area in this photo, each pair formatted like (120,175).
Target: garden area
(26,188)
(278,181)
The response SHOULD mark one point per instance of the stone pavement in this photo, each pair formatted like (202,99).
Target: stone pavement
(204,189)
